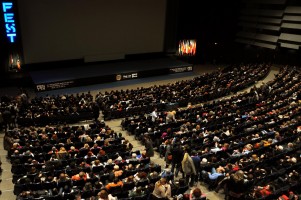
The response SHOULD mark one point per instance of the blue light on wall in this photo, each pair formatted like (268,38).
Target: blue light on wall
(9,21)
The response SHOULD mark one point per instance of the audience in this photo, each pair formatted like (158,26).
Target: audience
(248,142)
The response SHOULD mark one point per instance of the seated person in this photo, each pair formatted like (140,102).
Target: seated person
(128,179)
(90,156)
(133,158)
(166,173)
(62,153)
(73,151)
(96,163)
(117,172)
(136,192)
(236,185)
(196,193)
(214,174)
(162,190)
(152,166)
(140,176)
(104,195)
(115,183)
(153,175)
(81,175)
(262,192)
(177,187)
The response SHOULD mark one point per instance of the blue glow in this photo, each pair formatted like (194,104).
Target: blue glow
(10,28)
(9,19)
(7,6)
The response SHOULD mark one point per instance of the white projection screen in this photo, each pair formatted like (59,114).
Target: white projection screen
(56,30)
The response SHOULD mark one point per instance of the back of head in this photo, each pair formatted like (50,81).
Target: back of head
(238,176)
(103,194)
(182,182)
(81,174)
(116,180)
(162,181)
(116,167)
(139,190)
(196,193)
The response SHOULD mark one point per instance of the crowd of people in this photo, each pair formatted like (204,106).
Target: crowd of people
(48,110)
(208,86)
(247,145)
(248,132)
(64,162)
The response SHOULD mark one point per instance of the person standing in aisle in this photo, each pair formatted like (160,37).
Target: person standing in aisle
(188,169)
(149,146)
(177,157)
(95,109)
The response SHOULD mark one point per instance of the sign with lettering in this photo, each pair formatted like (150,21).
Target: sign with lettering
(9,21)
(181,69)
(55,85)
(125,76)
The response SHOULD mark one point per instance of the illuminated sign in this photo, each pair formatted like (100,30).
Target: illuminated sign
(181,69)
(124,76)
(9,20)
(55,85)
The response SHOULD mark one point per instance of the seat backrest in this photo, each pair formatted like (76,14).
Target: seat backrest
(79,183)
(142,183)
(97,169)
(154,180)
(181,190)
(128,185)
(142,197)
(62,184)
(115,190)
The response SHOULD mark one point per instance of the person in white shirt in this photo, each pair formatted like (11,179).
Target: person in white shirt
(154,115)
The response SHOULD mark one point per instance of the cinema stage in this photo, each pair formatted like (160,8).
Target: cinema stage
(59,78)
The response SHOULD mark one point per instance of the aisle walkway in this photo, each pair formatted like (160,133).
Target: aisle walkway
(7,187)
(116,126)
